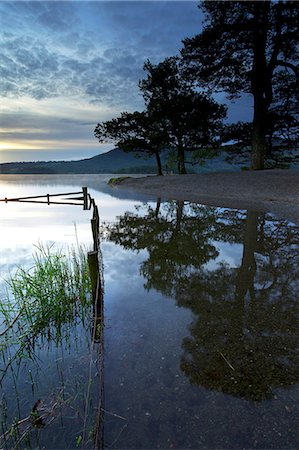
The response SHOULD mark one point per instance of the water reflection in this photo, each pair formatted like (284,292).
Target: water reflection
(50,371)
(200,326)
(243,335)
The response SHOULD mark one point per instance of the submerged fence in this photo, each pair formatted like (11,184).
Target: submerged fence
(82,198)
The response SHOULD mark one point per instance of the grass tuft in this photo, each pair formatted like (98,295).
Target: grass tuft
(44,300)
(118,180)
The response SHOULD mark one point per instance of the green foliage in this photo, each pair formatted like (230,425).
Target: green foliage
(44,300)
(118,180)
(78,440)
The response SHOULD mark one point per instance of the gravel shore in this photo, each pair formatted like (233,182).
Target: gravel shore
(276,190)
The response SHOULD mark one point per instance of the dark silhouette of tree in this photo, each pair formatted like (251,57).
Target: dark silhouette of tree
(236,140)
(247,47)
(191,120)
(282,125)
(138,132)
(243,337)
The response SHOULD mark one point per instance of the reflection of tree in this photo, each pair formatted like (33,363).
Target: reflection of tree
(243,341)
(243,335)
(175,240)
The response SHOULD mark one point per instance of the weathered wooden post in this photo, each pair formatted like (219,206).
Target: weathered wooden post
(95,225)
(95,273)
(85,198)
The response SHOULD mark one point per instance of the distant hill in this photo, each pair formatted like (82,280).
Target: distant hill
(114,161)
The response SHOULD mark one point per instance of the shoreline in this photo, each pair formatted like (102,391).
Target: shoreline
(275,190)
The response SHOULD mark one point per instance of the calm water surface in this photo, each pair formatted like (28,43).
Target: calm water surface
(200,326)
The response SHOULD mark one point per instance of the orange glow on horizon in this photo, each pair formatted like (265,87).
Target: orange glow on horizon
(47,145)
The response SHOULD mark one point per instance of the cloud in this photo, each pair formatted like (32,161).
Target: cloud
(95,50)
(34,127)
(65,66)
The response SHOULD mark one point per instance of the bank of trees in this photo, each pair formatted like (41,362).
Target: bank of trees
(244,48)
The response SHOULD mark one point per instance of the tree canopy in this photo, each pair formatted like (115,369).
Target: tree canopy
(244,48)
(192,120)
(137,132)
(248,47)
(176,118)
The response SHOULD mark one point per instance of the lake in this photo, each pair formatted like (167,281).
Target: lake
(200,329)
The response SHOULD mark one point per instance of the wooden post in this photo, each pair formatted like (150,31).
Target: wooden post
(96,217)
(95,225)
(85,198)
(95,234)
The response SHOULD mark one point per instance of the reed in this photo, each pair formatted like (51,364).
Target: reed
(47,303)
(43,301)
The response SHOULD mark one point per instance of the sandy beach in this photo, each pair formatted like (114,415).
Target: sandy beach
(274,191)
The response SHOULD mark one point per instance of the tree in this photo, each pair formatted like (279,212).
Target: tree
(137,131)
(191,120)
(246,47)
(236,140)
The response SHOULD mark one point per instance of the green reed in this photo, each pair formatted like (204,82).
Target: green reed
(53,293)
(44,304)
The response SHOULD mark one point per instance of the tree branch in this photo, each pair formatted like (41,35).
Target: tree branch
(289,65)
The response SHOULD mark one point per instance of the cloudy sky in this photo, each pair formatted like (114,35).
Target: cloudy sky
(65,66)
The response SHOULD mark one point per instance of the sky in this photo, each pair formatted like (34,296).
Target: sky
(65,66)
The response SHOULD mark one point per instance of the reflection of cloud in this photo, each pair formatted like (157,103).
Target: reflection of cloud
(230,254)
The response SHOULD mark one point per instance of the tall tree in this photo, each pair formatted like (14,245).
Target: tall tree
(191,120)
(244,48)
(134,132)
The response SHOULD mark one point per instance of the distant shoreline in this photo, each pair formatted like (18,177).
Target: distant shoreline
(274,190)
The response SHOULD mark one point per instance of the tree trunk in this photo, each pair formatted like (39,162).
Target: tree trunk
(159,165)
(181,160)
(260,84)
(258,146)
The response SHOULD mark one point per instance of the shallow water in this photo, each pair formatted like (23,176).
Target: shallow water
(200,325)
